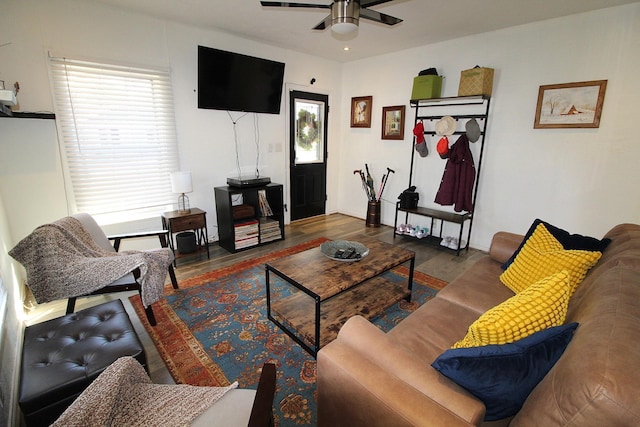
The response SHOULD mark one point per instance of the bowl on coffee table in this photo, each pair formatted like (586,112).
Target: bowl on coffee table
(344,250)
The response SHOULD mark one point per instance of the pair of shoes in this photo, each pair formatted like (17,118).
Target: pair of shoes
(453,244)
(421,232)
(446,241)
(404,228)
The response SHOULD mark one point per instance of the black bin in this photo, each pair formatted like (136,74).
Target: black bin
(186,242)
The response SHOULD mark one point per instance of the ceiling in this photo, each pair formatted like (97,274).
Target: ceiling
(425,21)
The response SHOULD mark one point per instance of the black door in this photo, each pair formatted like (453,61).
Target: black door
(308,163)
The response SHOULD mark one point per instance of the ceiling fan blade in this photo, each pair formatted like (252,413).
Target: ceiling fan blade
(369,3)
(287,4)
(379,17)
(325,23)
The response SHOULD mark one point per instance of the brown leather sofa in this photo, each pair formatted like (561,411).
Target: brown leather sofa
(367,377)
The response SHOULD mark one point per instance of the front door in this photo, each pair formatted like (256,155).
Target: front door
(308,164)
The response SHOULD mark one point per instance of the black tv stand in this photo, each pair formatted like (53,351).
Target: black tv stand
(233,233)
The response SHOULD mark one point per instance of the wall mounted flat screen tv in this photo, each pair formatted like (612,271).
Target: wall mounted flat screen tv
(235,82)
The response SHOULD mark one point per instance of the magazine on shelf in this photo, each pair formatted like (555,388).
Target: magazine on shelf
(269,230)
(265,208)
(246,233)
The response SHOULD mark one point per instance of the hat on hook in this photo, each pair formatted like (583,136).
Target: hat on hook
(445,126)
(421,144)
(473,130)
(418,131)
(443,147)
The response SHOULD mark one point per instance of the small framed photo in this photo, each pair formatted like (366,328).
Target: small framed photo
(570,105)
(393,122)
(361,111)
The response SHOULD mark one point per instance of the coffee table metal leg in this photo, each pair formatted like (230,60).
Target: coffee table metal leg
(411,267)
(317,326)
(268,292)
(312,351)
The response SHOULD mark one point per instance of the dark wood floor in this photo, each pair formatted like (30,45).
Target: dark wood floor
(435,261)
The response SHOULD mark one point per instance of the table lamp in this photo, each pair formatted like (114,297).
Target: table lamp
(181,183)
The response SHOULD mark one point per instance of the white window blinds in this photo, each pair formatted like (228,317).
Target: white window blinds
(117,127)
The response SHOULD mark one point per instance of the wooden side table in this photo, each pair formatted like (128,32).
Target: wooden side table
(195,221)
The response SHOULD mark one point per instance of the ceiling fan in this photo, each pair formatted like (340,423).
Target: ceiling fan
(345,14)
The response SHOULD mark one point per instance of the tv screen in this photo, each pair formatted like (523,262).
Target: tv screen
(235,82)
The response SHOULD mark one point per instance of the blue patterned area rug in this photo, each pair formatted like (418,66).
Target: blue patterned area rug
(214,330)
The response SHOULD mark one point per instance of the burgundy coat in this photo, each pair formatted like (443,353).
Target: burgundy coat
(456,187)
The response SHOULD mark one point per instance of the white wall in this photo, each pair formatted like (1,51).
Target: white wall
(32,186)
(31,180)
(581,179)
(11,325)
(585,180)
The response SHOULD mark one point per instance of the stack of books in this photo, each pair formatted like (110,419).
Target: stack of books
(269,230)
(264,203)
(246,233)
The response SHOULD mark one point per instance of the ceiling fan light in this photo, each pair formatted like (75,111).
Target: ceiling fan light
(344,27)
(344,16)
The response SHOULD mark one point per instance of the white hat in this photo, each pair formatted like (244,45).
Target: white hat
(446,126)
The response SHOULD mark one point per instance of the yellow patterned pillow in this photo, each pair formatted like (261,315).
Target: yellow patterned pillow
(543,255)
(540,306)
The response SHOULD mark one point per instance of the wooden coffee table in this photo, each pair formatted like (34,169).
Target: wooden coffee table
(310,296)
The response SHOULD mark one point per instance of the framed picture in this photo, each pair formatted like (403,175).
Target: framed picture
(361,111)
(393,122)
(570,105)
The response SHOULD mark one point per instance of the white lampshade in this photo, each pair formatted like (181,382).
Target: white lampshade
(181,182)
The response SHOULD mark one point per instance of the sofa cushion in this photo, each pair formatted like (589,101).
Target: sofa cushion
(502,376)
(596,381)
(543,255)
(433,328)
(478,289)
(567,240)
(541,305)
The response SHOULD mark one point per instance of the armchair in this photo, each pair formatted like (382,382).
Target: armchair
(124,395)
(129,281)
(72,258)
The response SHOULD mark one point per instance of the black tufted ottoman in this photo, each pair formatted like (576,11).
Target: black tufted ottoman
(61,357)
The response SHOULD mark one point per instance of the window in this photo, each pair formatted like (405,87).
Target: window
(117,129)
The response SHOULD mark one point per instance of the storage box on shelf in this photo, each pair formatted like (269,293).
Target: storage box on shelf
(476,81)
(265,225)
(426,87)
(430,111)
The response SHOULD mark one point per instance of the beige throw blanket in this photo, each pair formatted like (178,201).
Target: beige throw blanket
(123,395)
(63,261)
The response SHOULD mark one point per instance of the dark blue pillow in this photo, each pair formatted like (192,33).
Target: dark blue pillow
(567,240)
(502,376)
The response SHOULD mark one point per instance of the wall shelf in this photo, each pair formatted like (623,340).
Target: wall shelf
(25,115)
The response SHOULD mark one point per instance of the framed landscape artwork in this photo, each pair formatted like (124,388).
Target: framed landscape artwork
(570,105)
(361,111)
(393,122)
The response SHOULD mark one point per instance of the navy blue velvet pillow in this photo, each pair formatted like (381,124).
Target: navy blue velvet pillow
(567,240)
(502,376)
